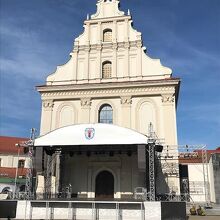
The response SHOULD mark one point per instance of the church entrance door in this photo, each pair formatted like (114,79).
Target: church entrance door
(104,185)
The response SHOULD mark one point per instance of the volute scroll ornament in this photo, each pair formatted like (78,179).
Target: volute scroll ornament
(86,102)
(48,104)
(168,98)
(126,100)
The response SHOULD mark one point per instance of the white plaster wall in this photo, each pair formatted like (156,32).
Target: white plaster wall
(11,161)
(129,64)
(127,54)
(143,110)
(211,180)
(60,117)
(195,172)
(116,106)
(137,115)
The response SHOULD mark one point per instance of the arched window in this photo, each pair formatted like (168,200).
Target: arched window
(7,190)
(106,70)
(107,35)
(106,114)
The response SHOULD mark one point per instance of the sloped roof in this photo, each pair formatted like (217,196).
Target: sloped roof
(7,144)
(184,159)
(6,172)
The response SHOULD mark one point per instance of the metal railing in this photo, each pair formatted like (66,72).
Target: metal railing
(141,193)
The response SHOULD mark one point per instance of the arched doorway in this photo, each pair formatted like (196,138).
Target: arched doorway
(104,185)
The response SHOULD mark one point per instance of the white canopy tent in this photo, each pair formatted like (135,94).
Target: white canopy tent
(91,140)
(91,134)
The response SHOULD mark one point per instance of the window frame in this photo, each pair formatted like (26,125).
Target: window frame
(21,163)
(106,70)
(107,35)
(106,119)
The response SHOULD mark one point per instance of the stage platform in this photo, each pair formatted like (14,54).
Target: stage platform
(88,209)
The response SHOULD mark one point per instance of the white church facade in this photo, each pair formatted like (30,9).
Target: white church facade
(108,90)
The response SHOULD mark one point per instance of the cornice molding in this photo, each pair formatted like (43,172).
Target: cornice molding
(117,92)
(110,85)
(113,46)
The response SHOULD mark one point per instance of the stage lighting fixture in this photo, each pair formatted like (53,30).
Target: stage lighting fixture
(159,148)
(111,153)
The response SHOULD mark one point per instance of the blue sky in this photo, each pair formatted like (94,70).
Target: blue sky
(38,35)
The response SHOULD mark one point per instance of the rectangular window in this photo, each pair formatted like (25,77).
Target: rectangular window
(0,162)
(107,35)
(21,163)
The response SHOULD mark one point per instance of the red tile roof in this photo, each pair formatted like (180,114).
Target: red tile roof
(7,145)
(11,172)
(185,159)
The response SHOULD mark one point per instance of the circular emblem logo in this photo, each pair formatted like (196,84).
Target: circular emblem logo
(89,133)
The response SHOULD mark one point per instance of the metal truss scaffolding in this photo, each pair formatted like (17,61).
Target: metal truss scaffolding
(169,159)
(171,156)
(150,162)
(29,176)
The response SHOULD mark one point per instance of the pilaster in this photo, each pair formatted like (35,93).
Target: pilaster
(99,62)
(86,73)
(114,70)
(99,37)
(126,37)
(114,34)
(85,110)
(75,61)
(126,68)
(169,116)
(139,59)
(126,102)
(87,31)
(46,116)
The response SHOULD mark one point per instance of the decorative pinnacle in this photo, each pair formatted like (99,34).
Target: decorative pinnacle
(98,1)
(129,13)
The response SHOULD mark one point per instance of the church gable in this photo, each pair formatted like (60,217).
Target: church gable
(107,8)
(108,37)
